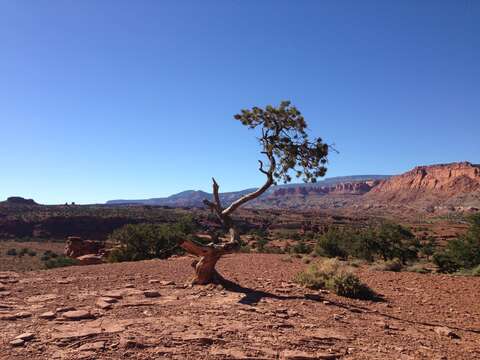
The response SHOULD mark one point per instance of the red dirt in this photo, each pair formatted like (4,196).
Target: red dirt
(277,320)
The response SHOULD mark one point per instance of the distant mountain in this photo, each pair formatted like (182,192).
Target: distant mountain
(19,201)
(434,188)
(194,198)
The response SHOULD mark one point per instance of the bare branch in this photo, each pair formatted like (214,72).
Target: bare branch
(216,196)
(200,250)
(253,195)
(196,249)
(215,206)
(261,168)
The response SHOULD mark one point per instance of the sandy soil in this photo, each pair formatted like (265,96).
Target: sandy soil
(268,317)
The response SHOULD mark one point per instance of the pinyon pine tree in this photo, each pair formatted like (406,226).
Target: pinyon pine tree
(287,150)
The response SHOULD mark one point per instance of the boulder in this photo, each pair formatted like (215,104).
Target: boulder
(47,315)
(77,315)
(76,247)
(90,259)
(151,293)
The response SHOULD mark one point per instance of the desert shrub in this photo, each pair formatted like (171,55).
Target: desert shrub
(23,251)
(261,242)
(445,262)
(332,274)
(147,241)
(12,252)
(258,233)
(396,241)
(363,244)
(47,255)
(274,250)
(427,248)
(388,241)
(332,243)
(461,253)
(60,261)
(31,252)
(306,260)
(418,268)
(356,263)
(245,249)
(389,265)
(349,285)
(476,271)
(301,248)
(297,236)
(311,278)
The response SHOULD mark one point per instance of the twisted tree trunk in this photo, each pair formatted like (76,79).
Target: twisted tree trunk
(209,255)
(205,272)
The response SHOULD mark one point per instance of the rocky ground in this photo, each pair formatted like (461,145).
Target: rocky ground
(143,310)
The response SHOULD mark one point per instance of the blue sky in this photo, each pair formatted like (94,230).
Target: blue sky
(134,99)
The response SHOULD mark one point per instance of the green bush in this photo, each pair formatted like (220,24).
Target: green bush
(245,249)
(12,252)
(349,285)
(60,261)
(476,271)
(396,241)
(446,262)
(260,242)
(47,255)
(387,241)
(301,248)
(461,253)
(332,244)
(23,251)
(147,241)
(332,274)
(428,247)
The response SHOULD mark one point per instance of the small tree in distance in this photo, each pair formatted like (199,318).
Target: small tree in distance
(288,150)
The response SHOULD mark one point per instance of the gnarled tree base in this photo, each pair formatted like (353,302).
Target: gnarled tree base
(205,272)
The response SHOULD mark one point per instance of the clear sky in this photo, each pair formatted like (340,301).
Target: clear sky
(129,99)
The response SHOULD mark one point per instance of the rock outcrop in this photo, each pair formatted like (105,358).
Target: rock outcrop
(75,247)
(451,186)
(17,200)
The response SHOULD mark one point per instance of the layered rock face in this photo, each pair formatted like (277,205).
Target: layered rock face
(449,185)
(345,188)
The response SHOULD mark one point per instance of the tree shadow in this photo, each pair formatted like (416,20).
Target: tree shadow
(252,297)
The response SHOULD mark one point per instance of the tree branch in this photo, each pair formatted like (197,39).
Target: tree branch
(253,195)
(261,168)
(200,250)
(216,196)
(215,206)
(196,249)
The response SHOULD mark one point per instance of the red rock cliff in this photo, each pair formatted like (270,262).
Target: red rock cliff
(436,185)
